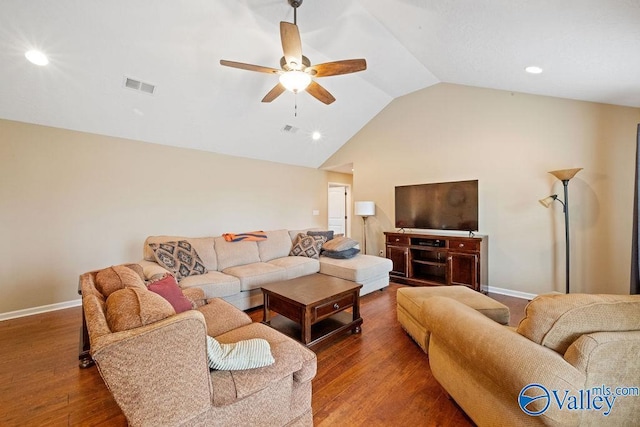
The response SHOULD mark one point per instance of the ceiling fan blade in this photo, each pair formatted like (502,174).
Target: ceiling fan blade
(320,93)
(274,93)
(249,67)
(291,45)
(337,67)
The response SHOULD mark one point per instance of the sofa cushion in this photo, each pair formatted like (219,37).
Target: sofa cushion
(220,317)
(290,356)
(246,354)
(339,244)
(114,278)
(130,308)
(254,275)
(557,320)
(179,257)
(213,283)
(307,246)
(168,288)
(231,254)
(297,266)
(358,269)
(204,246)
(277,245)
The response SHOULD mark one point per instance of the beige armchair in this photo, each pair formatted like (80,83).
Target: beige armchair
(158,372)
(577,353)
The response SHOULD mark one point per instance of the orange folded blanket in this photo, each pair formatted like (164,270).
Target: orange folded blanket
(254,236)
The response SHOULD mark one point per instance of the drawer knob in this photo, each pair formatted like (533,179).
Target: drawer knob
(397,240)
(461,245)
(336,306)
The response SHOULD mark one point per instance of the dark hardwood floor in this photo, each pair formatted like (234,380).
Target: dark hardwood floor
(378,377)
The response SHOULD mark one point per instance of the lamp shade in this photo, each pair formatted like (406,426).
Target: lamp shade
(546,202)
(365,208)
(565,174)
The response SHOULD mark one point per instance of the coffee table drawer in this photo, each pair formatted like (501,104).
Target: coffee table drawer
(329,308)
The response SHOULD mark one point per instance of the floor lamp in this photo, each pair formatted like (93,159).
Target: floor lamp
(365,209)
(563,175)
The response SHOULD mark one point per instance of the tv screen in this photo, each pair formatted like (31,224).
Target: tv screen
(438,206)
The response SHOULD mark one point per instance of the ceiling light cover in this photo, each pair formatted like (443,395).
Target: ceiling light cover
(295,81)
(36,57)
(533,69)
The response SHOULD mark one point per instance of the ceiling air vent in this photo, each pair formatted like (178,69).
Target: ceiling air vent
(290,129)
(139,86)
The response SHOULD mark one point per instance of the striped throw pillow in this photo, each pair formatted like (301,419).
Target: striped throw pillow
(246,354)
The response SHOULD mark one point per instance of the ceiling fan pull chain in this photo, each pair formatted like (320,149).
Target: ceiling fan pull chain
(295,104)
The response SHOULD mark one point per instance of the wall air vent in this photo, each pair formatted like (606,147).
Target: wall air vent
(139,86)
(290,129)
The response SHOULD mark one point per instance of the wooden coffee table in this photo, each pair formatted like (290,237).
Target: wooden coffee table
(312,307)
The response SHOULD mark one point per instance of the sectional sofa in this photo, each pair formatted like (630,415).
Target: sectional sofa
(236,270)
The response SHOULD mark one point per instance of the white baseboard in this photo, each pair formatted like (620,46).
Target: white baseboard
(510,293)
(39,310)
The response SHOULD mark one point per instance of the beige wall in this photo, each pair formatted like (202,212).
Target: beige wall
(71,202)
(509,141)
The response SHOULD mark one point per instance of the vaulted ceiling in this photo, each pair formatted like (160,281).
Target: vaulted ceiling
(588,49)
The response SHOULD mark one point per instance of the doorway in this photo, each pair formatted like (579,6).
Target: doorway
(339,208)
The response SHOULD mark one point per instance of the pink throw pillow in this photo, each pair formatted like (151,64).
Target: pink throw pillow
(168,288)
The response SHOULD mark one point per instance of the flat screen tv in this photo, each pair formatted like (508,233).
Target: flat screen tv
(438,206)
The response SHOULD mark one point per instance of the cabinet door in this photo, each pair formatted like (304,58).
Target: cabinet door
(399,258)
(464,270)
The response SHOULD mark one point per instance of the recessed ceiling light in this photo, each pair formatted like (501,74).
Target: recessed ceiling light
(533,69)
(316,135)
(37,57)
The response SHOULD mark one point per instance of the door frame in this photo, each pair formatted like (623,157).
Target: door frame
(348,209)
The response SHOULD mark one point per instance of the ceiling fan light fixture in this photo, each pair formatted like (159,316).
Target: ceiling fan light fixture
(295,81)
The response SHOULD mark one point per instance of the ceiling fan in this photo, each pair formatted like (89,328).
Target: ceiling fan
(296,72)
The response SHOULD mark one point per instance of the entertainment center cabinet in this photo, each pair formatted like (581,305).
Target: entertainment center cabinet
(422,259)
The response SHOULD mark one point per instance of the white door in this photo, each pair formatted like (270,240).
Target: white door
(337,209)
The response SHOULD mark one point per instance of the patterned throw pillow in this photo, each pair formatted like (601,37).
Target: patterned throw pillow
(307,246)
(327,234)
(180,258)
(246,354)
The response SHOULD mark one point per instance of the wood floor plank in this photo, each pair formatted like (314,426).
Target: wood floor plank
(379,377)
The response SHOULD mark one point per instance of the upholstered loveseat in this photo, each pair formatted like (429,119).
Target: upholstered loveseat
(576,353)
(155,362)
(236,270)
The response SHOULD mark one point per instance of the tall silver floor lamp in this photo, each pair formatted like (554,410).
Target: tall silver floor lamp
(563,175)
(365,209)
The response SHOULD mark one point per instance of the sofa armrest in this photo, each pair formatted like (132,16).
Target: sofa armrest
(158,373)
(498,358)
(152,270)
(221,317)
(607,357)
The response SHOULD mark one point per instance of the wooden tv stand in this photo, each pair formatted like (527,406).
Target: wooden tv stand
(422,259)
